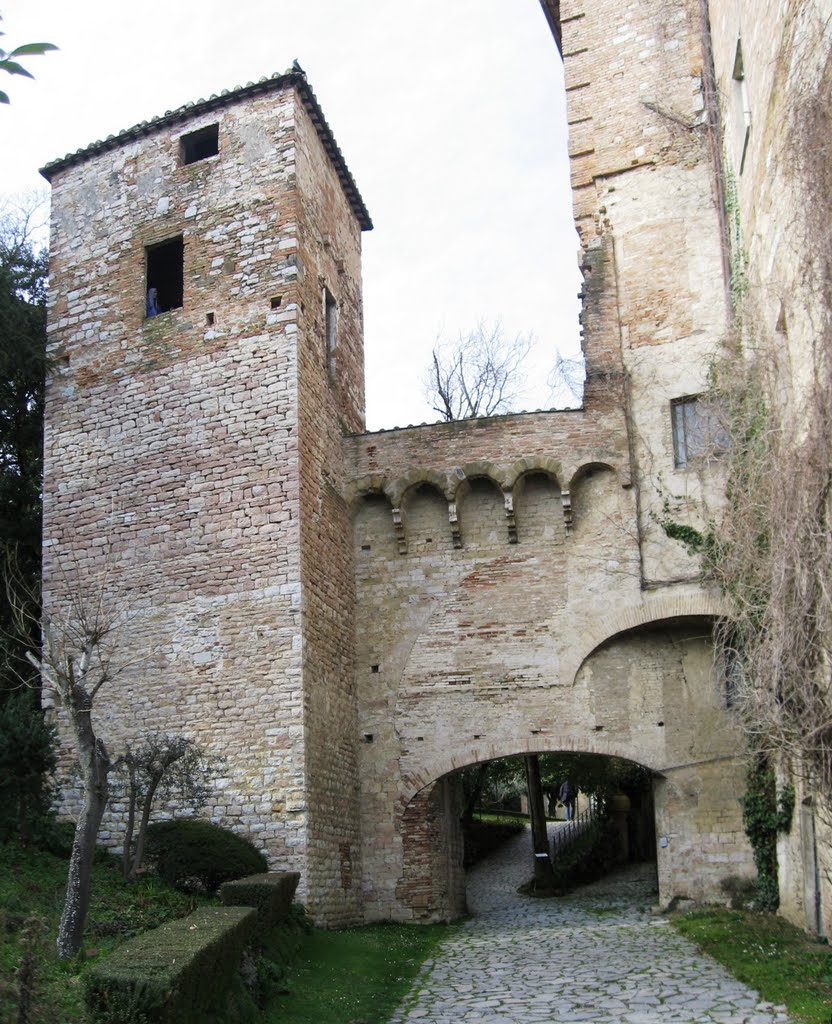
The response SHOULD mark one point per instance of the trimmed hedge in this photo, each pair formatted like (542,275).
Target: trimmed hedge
(175,974)
(192,854)
(270,893)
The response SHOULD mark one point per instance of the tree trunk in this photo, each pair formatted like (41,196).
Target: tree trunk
(126,853)
(544,877)
(476,792)
(95,766)
(145,819)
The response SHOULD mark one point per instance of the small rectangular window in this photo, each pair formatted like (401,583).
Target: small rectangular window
(199,145)
(698,430)
(164,265)
(331,328)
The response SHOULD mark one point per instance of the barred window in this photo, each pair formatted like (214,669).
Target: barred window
(698,430)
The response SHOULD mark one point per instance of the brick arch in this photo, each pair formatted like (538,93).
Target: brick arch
(509,745)
(366,486)
(537,464)
(435,481)
(655,608)
(481,470)
(398,487)
(588,467)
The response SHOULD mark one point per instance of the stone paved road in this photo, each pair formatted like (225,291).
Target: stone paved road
(596,955)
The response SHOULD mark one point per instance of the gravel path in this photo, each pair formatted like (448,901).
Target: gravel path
(596,955)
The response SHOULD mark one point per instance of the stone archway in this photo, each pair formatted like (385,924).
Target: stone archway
(432,884)
(649,694)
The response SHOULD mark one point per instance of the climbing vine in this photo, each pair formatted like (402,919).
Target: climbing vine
(764,814)
(769,548)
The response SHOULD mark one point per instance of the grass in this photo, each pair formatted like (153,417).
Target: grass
(501,817)
(32,886)
(770,955)
(355,975)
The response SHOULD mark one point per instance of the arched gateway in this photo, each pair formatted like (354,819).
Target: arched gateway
(348,617)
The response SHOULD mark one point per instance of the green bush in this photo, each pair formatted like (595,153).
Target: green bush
(176,974)
(195,855)
(270,894)
(27,767)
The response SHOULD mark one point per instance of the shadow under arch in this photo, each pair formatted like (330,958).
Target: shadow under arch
(654,609)
(517,745)
(433,879)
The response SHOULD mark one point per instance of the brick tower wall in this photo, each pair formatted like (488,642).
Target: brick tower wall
(175,466)
(331,390)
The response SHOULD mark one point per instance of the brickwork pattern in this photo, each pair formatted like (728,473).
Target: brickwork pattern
(351,617)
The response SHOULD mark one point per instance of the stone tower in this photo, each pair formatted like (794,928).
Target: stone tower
(206,328)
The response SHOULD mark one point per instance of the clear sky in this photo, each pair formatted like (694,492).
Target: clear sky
(450,114)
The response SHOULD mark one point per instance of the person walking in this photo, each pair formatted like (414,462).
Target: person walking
(567,796)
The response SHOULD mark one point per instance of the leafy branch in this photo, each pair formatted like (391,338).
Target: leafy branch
(11,65)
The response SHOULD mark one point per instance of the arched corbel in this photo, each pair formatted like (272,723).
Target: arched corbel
(398,526)
(511,523)
(566,505)
(453,519)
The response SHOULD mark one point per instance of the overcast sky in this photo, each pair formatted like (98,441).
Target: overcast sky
(448,112)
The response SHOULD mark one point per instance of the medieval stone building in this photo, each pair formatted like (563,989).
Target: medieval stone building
(349,617)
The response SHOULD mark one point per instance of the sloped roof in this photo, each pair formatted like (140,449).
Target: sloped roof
(551,8)
(228,97)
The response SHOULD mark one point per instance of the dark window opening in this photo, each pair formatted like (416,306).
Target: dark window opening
(165,276)
(331,321)
(276,300)
(698,430)
(209,319)
(199,145)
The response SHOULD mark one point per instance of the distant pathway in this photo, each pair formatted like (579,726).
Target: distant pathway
(596,955)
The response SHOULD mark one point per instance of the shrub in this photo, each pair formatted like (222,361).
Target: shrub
(27,766)
(194,855)
(271,894)
(178,972)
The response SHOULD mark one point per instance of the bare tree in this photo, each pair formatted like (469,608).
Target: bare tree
(566,381)
(75,660)
(479,374)
(162,766)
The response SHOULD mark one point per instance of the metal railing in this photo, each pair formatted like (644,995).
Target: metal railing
(568,833)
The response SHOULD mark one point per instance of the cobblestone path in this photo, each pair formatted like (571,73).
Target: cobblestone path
(596,955)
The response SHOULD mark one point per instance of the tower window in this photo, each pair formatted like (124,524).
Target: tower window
(199,145)
(698,430)
(164,275)
(331,328)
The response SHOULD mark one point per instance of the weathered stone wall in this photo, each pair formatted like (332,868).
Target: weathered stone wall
(487,554)
(181,467)
(646,199)
(349,619)
(481,634)
(432,882)
(785,47)
(331,390)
